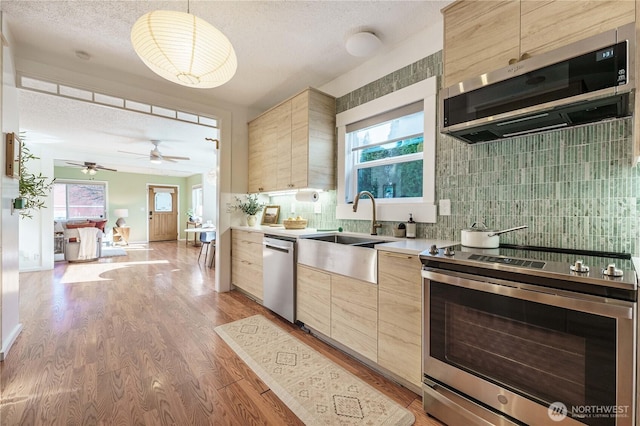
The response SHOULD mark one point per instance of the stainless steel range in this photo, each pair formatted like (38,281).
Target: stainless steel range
(529,335)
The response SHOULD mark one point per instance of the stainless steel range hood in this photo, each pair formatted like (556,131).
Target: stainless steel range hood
(584,82)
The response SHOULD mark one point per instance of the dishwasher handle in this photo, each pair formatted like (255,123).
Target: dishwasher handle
(278,248)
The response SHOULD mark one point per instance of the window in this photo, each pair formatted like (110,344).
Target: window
(196,200)
(386,154)
(387,147)
(79,200)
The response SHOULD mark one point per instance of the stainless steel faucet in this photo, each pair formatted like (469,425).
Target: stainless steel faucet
(374,225)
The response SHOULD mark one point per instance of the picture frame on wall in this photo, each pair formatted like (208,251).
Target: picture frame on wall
(12,155)
(270,215)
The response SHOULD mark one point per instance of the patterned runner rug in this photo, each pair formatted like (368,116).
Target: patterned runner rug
(317,390)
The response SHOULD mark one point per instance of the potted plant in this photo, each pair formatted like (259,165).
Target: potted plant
(250,207)
(33,189)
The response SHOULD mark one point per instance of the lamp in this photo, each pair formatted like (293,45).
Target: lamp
(121,213)
(184,49)
(87,169)
(362,44)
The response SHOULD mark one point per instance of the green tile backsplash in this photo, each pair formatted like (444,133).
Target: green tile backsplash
(573,188)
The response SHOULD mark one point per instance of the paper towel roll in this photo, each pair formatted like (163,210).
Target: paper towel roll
(309,196)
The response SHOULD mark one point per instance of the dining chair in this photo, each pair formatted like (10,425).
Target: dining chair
(207,238)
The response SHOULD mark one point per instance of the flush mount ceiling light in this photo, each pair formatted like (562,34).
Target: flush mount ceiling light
(184,49)
(362,44)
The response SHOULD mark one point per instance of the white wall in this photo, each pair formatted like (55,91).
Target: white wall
(35,248)
(419,46)
(10,325)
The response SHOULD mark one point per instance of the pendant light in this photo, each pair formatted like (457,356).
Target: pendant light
(184,49)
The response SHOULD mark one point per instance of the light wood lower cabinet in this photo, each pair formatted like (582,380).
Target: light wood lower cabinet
(246,261)
(354,315)
(342,308)
(313,304)
(400,315)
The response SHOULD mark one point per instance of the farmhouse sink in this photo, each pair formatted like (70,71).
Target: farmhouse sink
(349,240)
(348,255)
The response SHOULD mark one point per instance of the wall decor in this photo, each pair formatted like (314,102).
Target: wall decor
(12,155)
(270,215)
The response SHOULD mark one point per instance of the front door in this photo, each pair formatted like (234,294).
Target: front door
(163,213)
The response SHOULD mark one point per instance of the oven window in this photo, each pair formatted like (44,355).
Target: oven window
(545,353)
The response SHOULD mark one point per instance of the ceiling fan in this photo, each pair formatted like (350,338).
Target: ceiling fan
(90,168)
(156,157)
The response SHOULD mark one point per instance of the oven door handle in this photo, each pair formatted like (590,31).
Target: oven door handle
(611,308)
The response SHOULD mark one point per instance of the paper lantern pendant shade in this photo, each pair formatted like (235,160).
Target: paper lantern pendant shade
(184,49)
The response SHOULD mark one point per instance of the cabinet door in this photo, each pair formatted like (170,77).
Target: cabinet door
(283,145)
(479,36)
(255,155)
(313,299)
(354,315)
(300,140)
(246,262)
(547,25)
(400,315)
(269,151)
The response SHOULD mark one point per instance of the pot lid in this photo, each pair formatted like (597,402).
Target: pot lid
(479,227)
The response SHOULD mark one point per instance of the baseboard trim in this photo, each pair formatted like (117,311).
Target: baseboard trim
(6,345)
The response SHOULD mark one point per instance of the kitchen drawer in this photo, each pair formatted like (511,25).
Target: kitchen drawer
(247,276)
(253,237)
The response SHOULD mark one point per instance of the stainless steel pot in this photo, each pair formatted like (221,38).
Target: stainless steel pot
(479,236)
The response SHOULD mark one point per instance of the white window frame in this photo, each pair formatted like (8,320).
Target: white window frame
(423,209)
(105,184)
(197,200)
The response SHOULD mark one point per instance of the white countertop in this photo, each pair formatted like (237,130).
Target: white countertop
(398,245)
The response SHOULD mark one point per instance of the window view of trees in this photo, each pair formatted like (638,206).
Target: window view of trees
(398,180)
(387,156)
(78,200)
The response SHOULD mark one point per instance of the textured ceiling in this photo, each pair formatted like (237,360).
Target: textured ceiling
(282,47)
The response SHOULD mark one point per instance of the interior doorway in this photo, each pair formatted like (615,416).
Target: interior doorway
(163,213)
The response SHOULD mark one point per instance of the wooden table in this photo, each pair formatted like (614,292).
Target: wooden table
(190,228)
(196,232)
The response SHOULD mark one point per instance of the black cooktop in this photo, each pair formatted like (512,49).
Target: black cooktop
(540,265)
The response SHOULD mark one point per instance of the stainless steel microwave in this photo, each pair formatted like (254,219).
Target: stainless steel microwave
(583,82)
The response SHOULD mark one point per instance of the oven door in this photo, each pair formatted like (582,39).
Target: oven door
(532,353)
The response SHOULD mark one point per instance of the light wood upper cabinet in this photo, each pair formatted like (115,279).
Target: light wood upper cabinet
(479,36)
(483,36)
(313,299)
(547,25)
(293,145)
(400,315)
(246,262)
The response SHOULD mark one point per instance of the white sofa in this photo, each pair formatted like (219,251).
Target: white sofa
(77,250)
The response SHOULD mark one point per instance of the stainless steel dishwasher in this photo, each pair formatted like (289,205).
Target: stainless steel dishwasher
(279,278)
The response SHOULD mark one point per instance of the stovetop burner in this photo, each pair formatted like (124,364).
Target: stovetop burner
(591,268)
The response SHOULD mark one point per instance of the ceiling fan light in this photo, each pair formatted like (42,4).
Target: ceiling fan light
(85,170)
(156,160)
(92,172)
(184,49)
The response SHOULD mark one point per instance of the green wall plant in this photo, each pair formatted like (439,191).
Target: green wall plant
(33,188)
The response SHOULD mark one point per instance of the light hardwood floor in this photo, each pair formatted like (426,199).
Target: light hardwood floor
(131,341)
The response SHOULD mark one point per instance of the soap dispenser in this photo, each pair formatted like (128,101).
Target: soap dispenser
(411,227)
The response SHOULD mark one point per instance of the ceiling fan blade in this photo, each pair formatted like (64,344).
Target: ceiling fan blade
(74,164)
(173,157)
(133,153)
(105,168)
